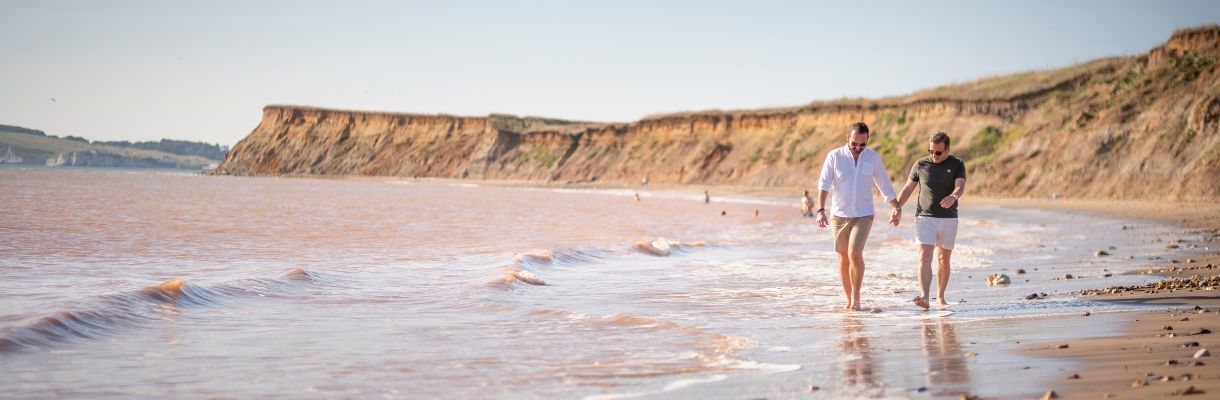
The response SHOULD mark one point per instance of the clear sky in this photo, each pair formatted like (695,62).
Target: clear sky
(203,70)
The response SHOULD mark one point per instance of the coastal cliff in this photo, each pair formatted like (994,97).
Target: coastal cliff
(1145,126)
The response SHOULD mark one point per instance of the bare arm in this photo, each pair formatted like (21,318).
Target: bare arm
(906,192)
(820,216)
(959,187)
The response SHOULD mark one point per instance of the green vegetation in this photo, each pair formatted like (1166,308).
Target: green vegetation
(984,149)
(773,156)
(756,156)
(1191,64)
(1015,85)
(36,149)
(539,157)
(891,119)
(1127,81)
(888,145)
(205,150)
(18,129)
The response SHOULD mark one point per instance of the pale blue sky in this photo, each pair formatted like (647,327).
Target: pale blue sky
(144,70)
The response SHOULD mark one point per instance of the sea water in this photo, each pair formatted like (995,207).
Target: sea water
(131,284)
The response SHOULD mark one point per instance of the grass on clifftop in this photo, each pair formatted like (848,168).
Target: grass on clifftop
(1015,85)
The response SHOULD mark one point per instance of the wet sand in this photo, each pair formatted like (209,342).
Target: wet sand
(1144,359)
(1152,356)
(1108,368)
(1140,359)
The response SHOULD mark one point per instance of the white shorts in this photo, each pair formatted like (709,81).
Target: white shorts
(939,232)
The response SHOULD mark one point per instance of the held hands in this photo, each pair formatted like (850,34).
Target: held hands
(896,217)
(948,201)
(820,217)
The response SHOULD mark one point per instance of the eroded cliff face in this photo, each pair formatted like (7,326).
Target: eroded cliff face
(1136,127)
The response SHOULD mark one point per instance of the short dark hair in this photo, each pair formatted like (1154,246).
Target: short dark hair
(940,137)
(859,127)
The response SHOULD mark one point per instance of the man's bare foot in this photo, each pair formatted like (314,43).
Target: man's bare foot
(919,301)
(942,303)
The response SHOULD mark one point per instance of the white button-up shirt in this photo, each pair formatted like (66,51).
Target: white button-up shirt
(850,182)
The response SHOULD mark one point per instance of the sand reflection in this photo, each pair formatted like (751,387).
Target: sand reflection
(858,367)
(945,359)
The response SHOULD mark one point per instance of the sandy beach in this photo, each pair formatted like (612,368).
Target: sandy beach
(1154,355)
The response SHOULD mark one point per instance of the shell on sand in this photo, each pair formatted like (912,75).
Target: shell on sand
(998,279)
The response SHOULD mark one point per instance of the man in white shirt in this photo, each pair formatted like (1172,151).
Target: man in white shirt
(850,172)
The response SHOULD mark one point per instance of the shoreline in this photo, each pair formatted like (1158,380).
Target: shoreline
(1108,362)
(1152,356)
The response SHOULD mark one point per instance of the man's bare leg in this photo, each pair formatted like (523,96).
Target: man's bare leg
(942,274)
(857,275)
(925,275)
(845,275)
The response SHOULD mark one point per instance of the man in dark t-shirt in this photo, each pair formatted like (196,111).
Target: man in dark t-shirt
(941,179)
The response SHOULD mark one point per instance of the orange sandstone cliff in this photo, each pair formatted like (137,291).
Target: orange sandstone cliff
(1145,126)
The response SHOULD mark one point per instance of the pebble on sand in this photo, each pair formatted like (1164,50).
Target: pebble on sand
(1101,253)
(1063,346)
(1190,344)
(1138,383)
(1188,391)
(1050,395)
(1202,353)
(1074,376)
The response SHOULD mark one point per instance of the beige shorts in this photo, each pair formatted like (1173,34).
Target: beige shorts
(939,232)
(850,232)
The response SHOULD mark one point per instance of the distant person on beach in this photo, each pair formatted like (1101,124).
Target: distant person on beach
(850,172)
(637,197)
(806,205)
(941,179)
(707,198)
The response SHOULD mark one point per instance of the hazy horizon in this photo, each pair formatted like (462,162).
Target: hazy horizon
(140,71)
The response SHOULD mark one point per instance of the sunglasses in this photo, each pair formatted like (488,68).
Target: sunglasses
(936,153)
